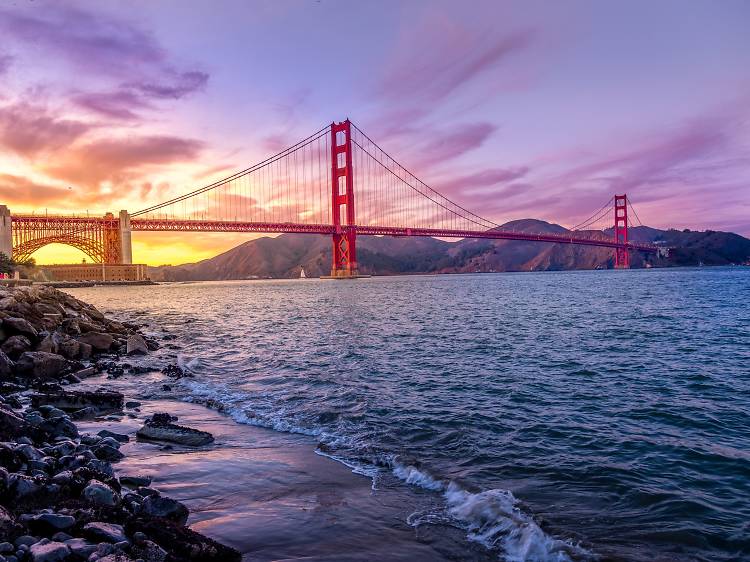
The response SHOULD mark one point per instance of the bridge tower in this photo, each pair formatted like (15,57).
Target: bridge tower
(126,246)
(622,256)
(342,202)
(6,232)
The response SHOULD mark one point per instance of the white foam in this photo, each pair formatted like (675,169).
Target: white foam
(412,475)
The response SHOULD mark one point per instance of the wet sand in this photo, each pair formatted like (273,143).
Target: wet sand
(269,495)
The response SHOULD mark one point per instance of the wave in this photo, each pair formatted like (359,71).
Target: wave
(491,517)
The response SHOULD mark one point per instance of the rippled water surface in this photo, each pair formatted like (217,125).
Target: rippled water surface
(553,416)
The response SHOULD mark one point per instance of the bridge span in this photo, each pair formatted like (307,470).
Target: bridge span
(309,188)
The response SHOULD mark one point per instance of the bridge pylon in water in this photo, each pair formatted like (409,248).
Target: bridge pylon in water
(342,202)
(622,255)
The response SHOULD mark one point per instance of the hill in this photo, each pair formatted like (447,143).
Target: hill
(285,255)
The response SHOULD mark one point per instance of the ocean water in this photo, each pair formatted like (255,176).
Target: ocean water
(599,415)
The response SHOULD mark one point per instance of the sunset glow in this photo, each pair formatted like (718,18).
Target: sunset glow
(544,114)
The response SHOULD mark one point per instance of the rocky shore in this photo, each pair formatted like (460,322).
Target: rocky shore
(61,497)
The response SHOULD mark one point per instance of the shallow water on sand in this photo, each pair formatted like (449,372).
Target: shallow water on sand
(549,416)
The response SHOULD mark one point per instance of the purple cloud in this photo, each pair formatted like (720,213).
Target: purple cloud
(442,148)
(176,85)
(446,64)
(483,179)
(121,104)
(30,130)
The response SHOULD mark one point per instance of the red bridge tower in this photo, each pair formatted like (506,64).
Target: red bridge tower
(622,255)
(342,185)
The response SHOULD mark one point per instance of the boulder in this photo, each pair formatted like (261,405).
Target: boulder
(14,346)
(6,366)
(165,508)
(20,326)
(45,522)
(135,481)
(41,365)
(74,400)
(99,493)
(81,548)
(120,437)
(98,340)
(108,453)
(49,551)
(182,543)
(159,429)
(136,345)
(104,532)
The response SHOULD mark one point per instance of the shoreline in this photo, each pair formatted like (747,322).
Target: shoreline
(81,484)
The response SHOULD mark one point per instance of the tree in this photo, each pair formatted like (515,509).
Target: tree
(7,265)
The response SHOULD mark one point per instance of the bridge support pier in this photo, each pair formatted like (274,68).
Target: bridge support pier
(126,246)
(6,232)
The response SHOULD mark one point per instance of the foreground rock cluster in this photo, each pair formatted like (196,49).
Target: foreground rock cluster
(60,497)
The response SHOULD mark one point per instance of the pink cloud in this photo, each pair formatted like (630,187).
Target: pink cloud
(17,190)
(30,130)
(444,147)
(121,159)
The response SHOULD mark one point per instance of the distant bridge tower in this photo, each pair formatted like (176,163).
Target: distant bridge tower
(622,255)
(6,232)
(126,246)
(342,180)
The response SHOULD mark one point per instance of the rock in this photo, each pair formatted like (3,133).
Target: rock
(101,466)
(106,532)
(165,508)
(41,365)
(97,340)
(84,350)
(6,547)
(99,493)
(12,425)
(182,543)
(6,365)
(85,373)
(85,413)
(158,428)
(20,326)
(108,453)
(7,522)
(47,521)
(14,346)
(136,345)
(49,551)
(81,548)
(48,345)
(135,481)
(29,452)
(148,551)
(25,540)
(75,400)
(121,437)
(132,404)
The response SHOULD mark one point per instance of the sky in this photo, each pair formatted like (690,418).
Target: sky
(512,109)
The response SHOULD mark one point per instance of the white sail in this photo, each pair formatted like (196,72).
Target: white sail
(302,273)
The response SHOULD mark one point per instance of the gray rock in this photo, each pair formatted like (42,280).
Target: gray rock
(107,532)
(6,365)
(25,540)
(81,548)
(49,552)
(39,364)
(84,350)
(6,547)
(99,493)
(108,453)
(20,326)
(135,481)
(97,340)
(14,346)
(53,520)
(132,404)
(29,452)
(121,437)
(101,466)
(157,429)
(136,345)
(166,508)
(111,441)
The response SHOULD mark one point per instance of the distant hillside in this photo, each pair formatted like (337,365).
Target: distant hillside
(285,255)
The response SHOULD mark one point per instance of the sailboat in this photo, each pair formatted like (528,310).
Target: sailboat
(302,273)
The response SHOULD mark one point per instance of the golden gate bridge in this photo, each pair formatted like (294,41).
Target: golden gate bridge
(336,182)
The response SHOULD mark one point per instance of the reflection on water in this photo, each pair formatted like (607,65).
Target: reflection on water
(549,414)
